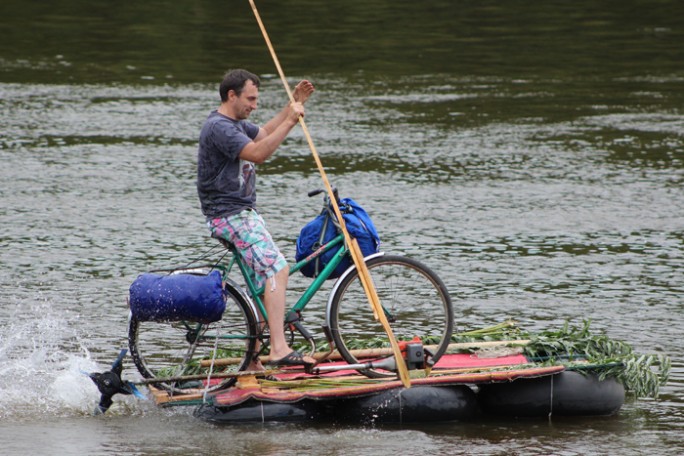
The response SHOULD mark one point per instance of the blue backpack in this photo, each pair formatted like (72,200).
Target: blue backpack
(322,229)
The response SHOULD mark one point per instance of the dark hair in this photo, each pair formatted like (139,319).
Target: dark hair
(235,80)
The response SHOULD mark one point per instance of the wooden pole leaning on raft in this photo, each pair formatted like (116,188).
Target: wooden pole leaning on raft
(352,244)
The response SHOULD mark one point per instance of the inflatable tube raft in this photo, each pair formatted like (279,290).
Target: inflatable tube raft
(398,405)
(419,404)
(568,393)
(258,411)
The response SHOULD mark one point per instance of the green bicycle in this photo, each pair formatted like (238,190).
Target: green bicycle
(414,299)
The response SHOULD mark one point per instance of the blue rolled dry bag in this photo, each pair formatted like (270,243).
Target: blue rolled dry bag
(321,230)
(176,297)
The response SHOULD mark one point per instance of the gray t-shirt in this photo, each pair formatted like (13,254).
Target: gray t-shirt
(225,184)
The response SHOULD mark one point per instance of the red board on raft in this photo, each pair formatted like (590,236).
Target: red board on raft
(449,361)
(442,375)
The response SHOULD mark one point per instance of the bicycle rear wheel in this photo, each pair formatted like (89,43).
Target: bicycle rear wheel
(416,303)
(175,349)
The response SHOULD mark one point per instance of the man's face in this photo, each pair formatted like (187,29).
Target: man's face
(244,104)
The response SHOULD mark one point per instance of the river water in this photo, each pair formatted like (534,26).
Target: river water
(531,154)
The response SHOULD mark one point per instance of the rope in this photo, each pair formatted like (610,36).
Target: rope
(551,399)
(211,367)
(195,263)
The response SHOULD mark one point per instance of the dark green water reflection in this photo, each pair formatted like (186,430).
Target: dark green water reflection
(193,41)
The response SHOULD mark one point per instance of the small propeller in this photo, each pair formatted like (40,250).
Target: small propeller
(110,383)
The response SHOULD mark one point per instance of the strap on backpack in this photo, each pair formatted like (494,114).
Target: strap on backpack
(317,245)
(329,218)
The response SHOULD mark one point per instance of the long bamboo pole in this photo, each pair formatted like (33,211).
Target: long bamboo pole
(353,245)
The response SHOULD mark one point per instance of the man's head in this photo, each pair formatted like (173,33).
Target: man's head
(235,80)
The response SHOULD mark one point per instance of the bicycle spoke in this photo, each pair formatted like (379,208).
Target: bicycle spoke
(415,302)
(174,349)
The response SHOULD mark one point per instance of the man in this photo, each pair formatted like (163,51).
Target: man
(229,148)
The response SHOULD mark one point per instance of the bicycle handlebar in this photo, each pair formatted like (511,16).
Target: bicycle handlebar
(318,191)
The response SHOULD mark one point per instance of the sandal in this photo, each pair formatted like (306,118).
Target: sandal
(293,359)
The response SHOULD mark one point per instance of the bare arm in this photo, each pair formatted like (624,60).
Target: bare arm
(301,93)
(275,131)
(267,141)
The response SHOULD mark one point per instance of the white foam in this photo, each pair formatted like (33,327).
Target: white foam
(42,365)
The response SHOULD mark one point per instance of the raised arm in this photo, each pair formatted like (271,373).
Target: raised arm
(301,93)
(270,137)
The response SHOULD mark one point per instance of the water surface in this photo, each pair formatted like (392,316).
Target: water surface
(532,155)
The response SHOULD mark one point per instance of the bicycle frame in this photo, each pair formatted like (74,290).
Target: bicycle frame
(234,343)
(293,314)
(311,290)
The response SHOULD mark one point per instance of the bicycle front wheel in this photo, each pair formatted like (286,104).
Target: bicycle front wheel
(184,351)
(414,299)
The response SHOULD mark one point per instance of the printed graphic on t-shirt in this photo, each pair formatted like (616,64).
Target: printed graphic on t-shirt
(247,178)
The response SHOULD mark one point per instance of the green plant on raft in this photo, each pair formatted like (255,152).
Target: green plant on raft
(579,350)
(193,367)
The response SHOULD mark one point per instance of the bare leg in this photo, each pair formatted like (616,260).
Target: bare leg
(274,301)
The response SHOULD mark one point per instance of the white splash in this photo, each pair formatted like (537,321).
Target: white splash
(42,365)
